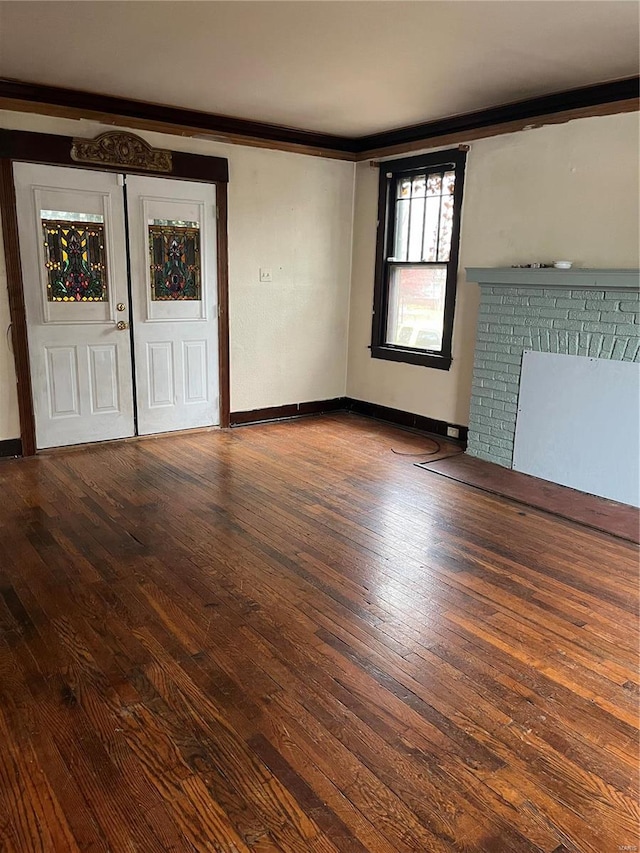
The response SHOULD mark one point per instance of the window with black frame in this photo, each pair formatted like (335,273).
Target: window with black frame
(417,258)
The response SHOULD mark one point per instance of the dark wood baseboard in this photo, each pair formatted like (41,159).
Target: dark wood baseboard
(10,447)
(289,410)
(408,420)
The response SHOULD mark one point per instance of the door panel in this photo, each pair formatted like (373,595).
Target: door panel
(103,377)
(62,381)
(195,357)
(73,255)
(161,370)
(174,284)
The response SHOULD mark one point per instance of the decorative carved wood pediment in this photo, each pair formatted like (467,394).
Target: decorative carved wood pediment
(125,150)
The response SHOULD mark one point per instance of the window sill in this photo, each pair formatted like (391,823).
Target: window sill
(409,356)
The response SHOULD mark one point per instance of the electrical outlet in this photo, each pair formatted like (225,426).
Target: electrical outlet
(265,275)
(453,432)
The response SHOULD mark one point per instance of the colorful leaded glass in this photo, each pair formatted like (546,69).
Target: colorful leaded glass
(174,250)
(76,261)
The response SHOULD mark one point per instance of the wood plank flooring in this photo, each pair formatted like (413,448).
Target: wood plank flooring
(601,514)
(287,638)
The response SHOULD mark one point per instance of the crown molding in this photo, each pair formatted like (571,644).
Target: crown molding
(72,103)
(600,99)
(529,110)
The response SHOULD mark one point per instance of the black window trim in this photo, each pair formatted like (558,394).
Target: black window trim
(390,170)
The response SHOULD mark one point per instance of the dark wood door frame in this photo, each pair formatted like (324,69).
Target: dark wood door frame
(112,152)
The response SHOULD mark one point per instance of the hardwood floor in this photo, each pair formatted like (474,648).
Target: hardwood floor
(287,638)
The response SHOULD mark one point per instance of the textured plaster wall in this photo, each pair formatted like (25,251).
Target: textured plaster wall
(567,191)
(289,213)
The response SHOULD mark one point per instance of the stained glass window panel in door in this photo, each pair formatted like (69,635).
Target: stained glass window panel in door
(174,252)
(75,257)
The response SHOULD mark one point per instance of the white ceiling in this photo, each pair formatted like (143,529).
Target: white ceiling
(342,67)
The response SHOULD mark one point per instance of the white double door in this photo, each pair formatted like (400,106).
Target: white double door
(120,294)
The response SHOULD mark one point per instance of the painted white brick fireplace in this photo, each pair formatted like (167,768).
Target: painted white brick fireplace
(592,313)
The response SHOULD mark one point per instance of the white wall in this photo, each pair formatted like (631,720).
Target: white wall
(288,212)
(567,191)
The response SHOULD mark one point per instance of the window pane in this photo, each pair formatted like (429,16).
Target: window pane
(401,233)
(418,186)
(446,217)
(182,223)
(404,188)
(432,219)
(174,250)
(434,184)
(449,182)
(416,307)
(68,216)
(416,225)
(75,256)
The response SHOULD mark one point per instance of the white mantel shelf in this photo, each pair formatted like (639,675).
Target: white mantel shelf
(580,279)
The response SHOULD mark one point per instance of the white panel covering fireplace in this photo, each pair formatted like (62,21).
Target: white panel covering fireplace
(590,313)
(578,424)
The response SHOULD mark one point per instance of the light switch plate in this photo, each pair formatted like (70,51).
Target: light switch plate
(265,275)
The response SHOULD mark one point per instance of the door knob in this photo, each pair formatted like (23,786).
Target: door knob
(121,306)
(121,325)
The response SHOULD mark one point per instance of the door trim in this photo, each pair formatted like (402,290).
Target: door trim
(17,311)
(53,150)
